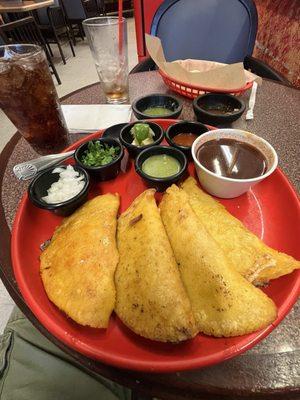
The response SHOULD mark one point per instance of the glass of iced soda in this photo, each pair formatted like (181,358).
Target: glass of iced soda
(107,37)
(29,99)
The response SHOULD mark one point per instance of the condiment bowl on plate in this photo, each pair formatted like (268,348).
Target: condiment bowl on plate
(113,131)
(218,108)
(39,187)
(174,155)
(232,155)
(103,172)
(126,137)
(163,106)
(188,131)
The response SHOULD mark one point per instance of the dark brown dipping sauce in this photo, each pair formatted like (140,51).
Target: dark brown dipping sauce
(184,139)
(232,159)
(219,109)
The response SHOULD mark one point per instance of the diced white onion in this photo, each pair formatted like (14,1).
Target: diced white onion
(70,183)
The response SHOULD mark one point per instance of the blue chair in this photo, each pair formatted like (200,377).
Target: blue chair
(215,30)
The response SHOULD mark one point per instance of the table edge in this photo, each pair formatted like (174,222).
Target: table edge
(25,8)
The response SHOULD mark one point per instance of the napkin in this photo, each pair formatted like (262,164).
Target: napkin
(250,114)
(91,117)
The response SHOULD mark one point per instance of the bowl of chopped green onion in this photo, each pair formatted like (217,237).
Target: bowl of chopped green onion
(100,157)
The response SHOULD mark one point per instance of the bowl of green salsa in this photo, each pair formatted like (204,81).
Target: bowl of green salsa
(161,166)
(157,105)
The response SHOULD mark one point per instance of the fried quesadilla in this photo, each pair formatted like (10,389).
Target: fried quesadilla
(224,303)
(151,299)
(78,266)
(257,262)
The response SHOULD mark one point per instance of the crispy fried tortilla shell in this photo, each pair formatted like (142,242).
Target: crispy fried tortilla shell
(248,254)
(151,299)
(224,303)
(78,266)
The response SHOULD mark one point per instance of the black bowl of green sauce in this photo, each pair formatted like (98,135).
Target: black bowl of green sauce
(157,106)
(161,166)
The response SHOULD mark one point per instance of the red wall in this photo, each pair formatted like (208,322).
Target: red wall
(278,37)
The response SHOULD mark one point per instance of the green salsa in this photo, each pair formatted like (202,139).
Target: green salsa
(158,111)
(161,166)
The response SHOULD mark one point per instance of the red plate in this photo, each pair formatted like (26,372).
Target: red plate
(271,210)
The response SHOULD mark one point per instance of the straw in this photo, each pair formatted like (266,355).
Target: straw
(120,15)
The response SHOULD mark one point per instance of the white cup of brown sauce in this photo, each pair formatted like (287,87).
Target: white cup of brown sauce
(230,161)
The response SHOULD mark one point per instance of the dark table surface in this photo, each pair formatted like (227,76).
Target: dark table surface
(268,371)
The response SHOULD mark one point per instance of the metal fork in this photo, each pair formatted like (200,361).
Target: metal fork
(27,170)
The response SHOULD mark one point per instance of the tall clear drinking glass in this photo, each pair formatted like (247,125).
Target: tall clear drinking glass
(29,99)
(107,37)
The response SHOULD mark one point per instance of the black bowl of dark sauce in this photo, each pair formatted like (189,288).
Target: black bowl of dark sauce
(218,108)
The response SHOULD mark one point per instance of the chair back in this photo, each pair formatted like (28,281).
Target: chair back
(43,14)
(73,9)
(216,30)
(24,30)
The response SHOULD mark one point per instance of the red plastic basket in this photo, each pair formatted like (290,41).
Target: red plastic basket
(192,91)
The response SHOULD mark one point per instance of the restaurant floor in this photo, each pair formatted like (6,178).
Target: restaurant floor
(78,72)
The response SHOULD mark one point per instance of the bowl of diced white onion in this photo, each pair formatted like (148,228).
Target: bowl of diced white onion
(60,189)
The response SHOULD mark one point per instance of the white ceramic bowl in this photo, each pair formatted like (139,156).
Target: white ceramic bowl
(228,188)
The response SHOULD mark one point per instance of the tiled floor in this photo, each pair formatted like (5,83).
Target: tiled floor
(78,72)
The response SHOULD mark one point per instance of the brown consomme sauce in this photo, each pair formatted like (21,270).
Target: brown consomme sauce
(185,139)
(232,159)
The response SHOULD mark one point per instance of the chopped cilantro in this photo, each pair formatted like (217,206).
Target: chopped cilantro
(98,154)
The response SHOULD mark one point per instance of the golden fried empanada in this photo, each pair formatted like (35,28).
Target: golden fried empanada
(248,254)
(224,303)
(151,299)
(78,266)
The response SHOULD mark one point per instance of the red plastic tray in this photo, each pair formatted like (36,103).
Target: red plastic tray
(271,210)
(193,91)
